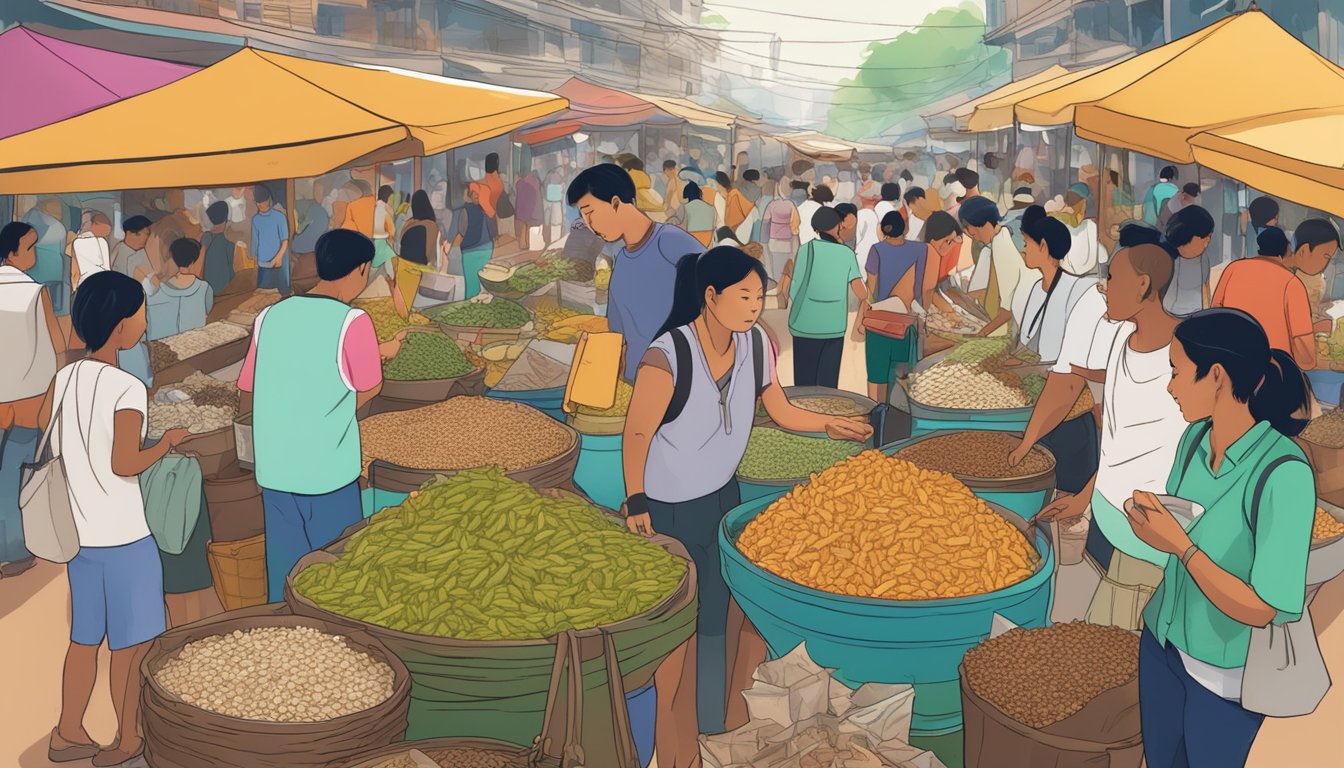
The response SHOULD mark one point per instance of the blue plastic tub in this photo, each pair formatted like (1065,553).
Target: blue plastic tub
(548,401)
(751,490)
(885,641)
(643,708)
(599,473)
(1326,385)
(1024,496)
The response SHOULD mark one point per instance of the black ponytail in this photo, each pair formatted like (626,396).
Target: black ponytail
(1268,379)
(719,268)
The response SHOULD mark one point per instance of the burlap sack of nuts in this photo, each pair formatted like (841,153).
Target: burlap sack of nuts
(1065,696)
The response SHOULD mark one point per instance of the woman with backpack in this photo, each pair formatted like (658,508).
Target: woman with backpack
(695,398)
(1241,564)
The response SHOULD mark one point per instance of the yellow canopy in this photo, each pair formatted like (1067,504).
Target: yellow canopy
(1239,68)
(690,111)
(960,113)
(259,115)
(1297,156)
(997,113)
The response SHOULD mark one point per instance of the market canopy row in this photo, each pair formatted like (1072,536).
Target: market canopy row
(295,118)
(48,80)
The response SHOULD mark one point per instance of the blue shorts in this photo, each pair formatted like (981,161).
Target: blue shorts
(117,593)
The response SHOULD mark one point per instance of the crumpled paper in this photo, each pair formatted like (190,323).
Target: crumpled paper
(802,717)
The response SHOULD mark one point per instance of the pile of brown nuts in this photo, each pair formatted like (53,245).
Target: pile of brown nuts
(1041,676)
(976,454)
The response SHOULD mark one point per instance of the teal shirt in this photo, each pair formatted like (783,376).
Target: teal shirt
(1272,559)
(819,293)
(304,427)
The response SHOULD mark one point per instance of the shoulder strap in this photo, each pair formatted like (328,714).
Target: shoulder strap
(681,377)
(1194,446)
(758,343)
(56,410)
(1254,517)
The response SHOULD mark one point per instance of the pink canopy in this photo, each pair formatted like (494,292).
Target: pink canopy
(44,80)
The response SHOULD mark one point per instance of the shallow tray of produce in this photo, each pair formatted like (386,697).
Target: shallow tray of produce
(833,402)
(963,455)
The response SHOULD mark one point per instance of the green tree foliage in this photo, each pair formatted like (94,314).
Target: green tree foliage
(944,56)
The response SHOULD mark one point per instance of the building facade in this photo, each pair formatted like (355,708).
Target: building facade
(1079,33)
(648,46)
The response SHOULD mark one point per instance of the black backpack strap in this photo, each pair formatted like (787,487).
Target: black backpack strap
(681,377)
(1260,489)
(758,342)
(1194,447)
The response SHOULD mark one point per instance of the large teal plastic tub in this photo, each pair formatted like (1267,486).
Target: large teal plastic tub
(548,401)
(868,640)
(1025,496)
(928,419)
(599,473)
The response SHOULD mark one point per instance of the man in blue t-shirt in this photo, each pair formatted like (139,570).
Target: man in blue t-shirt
(645,270)
(270,241)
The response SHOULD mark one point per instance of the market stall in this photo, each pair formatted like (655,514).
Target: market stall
(305,118)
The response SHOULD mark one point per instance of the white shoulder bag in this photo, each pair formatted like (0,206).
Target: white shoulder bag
(44,499)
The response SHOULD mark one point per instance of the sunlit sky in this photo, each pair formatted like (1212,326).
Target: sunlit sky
(850,21)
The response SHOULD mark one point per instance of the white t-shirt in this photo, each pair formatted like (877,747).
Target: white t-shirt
(806,233)
(1084,250)
(30,358)
(382,216)
(237,209)
(1045,319)
(92,254)
(866,234)
(109,510)
(1089,336)
(1141,426)
(914,227)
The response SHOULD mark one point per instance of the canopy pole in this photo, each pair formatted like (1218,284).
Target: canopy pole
(292,209)
(417,173)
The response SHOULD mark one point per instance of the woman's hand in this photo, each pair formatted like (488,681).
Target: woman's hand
(640,524)
(1155,525)
(841,428)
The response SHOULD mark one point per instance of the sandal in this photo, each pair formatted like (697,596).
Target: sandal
(107,758)
(71,752)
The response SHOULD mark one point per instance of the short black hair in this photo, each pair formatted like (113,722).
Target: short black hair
(940,224)
(385,193)
(633,164)
(1138,234)
(103,301)
(340,252)
(1168,173)
(825,219)
(752,175)
(217,213)
(891,192)
(669,165)
(846,210)
(492,162)
(1191,189)
(185,251)
(823,194)
(912,194)
(261,193)
(799,184)
(692,191)
(723,180)
(605,182)
(10,237)
(1052,232)
(1315,232)
(979,211)
(1185,225)
(1272,242)
(141,223)
(905,174)
(1263,210)
(968,178)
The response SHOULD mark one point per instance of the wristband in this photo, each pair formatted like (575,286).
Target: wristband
(1189,553)
(636,504)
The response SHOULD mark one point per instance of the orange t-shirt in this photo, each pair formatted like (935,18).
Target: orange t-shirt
(493,183)
(1270,293)
(359,215)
